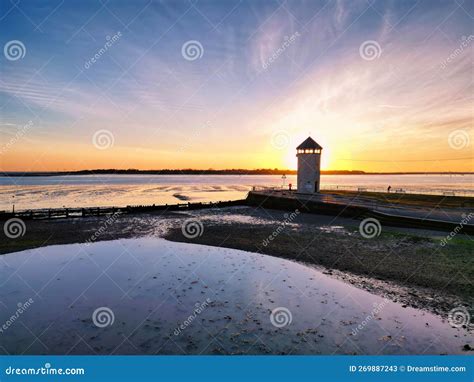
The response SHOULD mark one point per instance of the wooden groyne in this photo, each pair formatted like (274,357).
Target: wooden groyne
(62,213)
(269,199)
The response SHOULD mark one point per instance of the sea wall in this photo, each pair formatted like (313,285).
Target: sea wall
(259,199)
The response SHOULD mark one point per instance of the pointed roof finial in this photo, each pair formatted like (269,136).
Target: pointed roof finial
(309,143)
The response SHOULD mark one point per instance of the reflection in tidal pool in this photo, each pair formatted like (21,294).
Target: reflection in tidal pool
(161,297)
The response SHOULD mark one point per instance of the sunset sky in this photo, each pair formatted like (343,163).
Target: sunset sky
(381,85)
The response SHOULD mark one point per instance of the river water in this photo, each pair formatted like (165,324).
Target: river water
(123,190)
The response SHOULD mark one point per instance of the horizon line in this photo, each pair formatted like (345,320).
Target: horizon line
(228,171)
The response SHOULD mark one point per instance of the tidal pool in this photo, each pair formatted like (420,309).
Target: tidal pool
(152,296)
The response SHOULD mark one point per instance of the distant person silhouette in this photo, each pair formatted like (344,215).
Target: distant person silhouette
(289,186)
(389,188)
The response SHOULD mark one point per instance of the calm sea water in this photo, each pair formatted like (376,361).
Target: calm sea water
(122,190)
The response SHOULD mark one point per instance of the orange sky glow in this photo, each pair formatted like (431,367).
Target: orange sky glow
(263,83)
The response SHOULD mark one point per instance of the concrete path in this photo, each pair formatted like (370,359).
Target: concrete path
(453,215)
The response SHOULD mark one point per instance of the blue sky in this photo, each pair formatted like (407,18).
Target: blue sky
(270,73)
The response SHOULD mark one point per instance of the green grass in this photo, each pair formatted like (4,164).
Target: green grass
(412,199)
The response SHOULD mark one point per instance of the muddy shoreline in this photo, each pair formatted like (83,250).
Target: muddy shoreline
(406,266)
(403,284)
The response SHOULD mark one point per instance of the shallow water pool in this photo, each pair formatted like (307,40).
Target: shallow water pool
(152,296)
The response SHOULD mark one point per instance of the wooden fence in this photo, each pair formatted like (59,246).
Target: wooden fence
(59,213)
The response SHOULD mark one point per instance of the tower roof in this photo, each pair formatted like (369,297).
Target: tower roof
(309,143)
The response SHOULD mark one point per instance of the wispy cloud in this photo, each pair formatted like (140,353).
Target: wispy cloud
(320,83)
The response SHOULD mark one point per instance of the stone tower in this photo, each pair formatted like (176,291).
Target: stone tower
(309,166)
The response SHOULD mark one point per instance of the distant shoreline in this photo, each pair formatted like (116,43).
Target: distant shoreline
(210,172)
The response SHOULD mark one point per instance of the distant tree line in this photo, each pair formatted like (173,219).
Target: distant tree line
(190,171)
(186,171)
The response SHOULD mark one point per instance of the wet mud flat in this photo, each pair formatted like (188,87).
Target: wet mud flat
(408,266)
(153,296)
